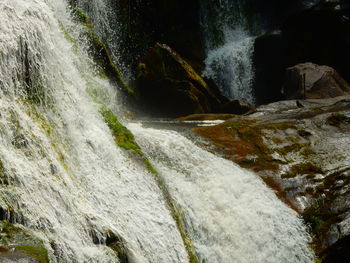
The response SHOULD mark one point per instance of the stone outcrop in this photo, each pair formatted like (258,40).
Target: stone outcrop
(169,86)
(141,24)
(300,149)
(311,81)
(319,34)
(17,244)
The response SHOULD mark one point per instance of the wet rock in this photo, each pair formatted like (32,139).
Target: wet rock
(18,245)
(97,49)
(206,117)
(311,81)
(141,24)
(302,154)
(237,107)
(118,246)
(170,87)
(319,34)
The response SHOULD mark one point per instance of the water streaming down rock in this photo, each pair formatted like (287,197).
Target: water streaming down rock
(229,49)
(108,26)
(66,181)
(230,214)
(230,65)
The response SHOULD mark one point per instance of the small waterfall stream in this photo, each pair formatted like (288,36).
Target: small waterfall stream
(230,65)
(230,47)
(65,180)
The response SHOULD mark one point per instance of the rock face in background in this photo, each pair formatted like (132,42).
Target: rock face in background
(175,23)
(319,34)
(311,81)
(302,153)
(169,87)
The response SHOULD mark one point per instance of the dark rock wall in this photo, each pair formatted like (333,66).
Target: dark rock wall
(320,34)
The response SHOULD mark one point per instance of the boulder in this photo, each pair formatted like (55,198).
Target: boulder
(319,34)
(141,24)
(311,81)
(237,107)
(169,87)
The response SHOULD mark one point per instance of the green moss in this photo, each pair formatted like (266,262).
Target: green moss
(101,56)
(307,151)
(123,137)
(39,253)
(80,15)
(277,140)
(177,214)
(316,223)
(97,49)
(23,241)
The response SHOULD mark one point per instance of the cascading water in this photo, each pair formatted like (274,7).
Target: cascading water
(229,50)
(230,65)
(67,180)
(64,179)
(231,216)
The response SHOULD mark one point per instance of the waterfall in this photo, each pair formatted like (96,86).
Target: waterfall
(231,215)
(64,179)
(230,47)
(230,65)
(67,181)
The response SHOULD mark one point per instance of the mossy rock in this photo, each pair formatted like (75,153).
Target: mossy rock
(17,242)
(169,86)
(117,244)
(124,137)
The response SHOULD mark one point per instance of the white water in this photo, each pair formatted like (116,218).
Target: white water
(69,183)
(230,213)
(230,65)
(67,177)
(107,26)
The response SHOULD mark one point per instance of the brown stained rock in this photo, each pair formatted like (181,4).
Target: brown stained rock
(302,154)
(311,81)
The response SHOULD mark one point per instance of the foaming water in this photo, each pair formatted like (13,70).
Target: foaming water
(230,214)
(107,25)
(230,65)
(66,180)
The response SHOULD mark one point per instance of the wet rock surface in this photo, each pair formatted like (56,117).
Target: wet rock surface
(311,81)
(169,87)
(319,34)
(301,150)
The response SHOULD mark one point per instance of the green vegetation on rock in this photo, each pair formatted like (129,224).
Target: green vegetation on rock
(126,140)
(178,216)
(123,137)
(23,241)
